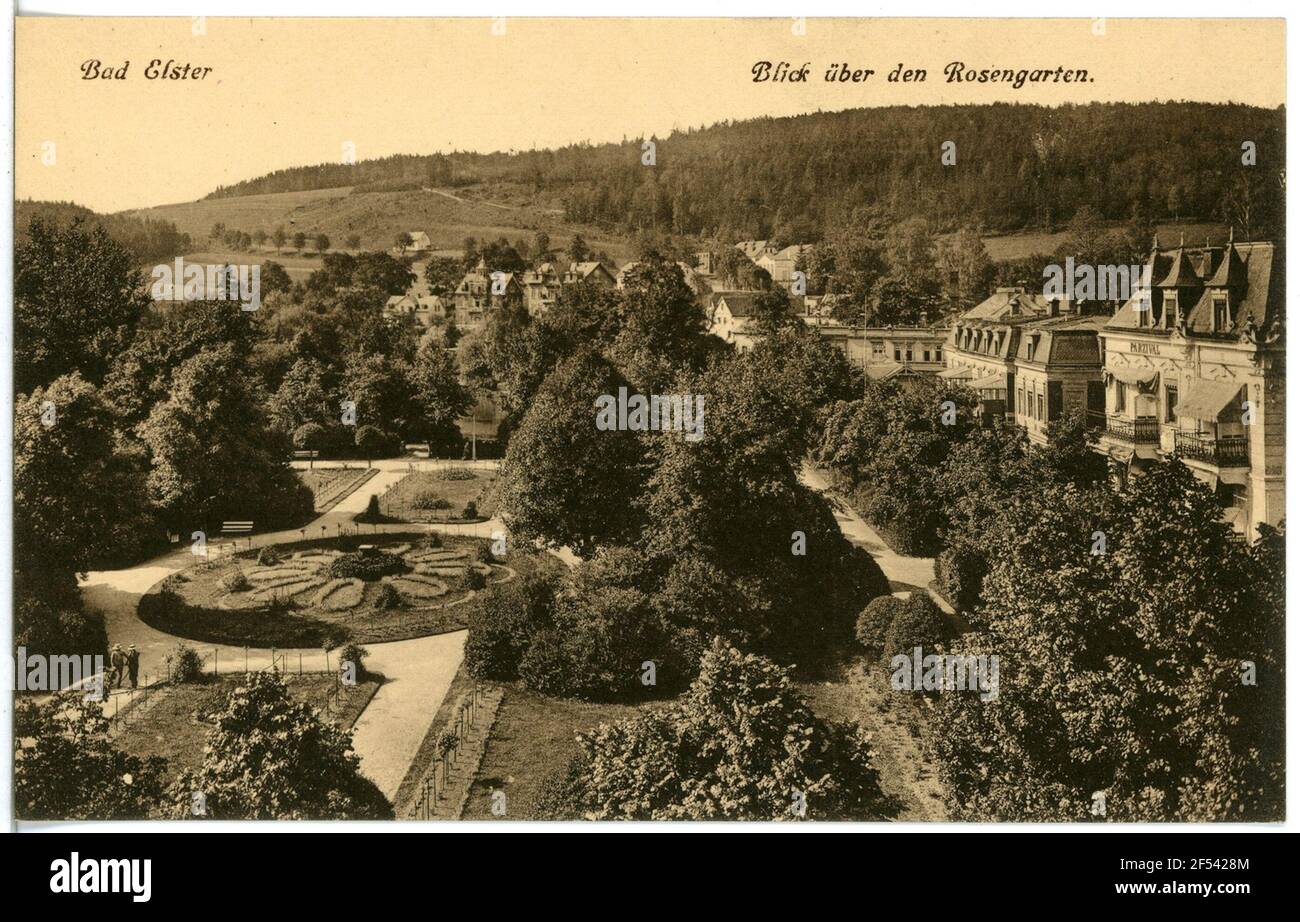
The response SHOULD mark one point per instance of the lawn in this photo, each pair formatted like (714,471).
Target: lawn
(329,485)
(300,601)
(440,496)
(533,739)
(175,720)
(858,692)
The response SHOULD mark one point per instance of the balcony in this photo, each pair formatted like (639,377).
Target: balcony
(1141,430)
(1221,451)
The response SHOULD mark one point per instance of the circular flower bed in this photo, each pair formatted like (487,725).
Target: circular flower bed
(369,565)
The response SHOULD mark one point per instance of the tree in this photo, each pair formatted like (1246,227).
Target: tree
(214,456)
(322,243)
(274,278)
(271,757)
(438,393)
(299,241)
(259,236)
(370,442)
(278,237)
(309,437)
(353,241)
(77,300)
(578,251)
(565,482)
(1151,674)
(382,389)
(66,768)
(403,241)
(742,744)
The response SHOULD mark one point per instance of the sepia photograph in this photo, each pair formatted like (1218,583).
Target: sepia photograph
(560,421)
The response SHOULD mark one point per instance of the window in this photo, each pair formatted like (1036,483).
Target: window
(877,349)
(1020,402)
(938,355)
(1170,316)
(1040,414)
(925,355)
(1171,403)
(1220,303)
(898,354)
(1121,397)
(909,353)
(1055,399)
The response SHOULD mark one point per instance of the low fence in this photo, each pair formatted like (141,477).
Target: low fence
(444,790)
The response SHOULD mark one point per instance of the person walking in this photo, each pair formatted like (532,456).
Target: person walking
(133,665)
(117,662)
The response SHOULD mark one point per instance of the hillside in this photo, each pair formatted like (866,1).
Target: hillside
(448,216)
(1018,167)
(148,237)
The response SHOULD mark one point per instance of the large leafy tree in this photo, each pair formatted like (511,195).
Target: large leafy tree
(741,744)
(272,758)
(438,393)
(214,455)
(66,767)
(306,395)
(1145,681)
(565,482)
(77,300)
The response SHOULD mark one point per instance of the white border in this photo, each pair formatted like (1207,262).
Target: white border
(1270,9)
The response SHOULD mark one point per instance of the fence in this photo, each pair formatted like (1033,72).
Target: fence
(474,709)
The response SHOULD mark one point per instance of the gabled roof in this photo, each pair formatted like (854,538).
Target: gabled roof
(1007,303)
(739,303)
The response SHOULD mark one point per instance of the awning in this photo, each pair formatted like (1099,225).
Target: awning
(956,373)
(1207,399)
(1139,377)
(989,383)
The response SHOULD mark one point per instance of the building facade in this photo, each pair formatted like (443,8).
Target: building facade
(1195,368)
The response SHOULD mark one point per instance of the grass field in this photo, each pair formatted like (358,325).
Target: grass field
(1005,247)
(175,721)
(447,216)
(534,739)
(329,485)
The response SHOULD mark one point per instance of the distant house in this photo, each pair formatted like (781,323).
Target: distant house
(730,316)
(589,272)
(541,288)
(480,291)
(419,242)
(422,309)
(780,264)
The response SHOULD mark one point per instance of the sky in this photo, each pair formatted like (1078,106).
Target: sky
(290,92)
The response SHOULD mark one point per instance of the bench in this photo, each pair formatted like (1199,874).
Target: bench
(305,455)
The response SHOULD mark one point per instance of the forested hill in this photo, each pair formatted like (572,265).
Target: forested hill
(1017,167)
(147,239)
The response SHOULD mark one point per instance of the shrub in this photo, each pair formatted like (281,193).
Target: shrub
(474,580)
(427,499)
(431,541)
(386,597)
(184,664)
(355,654)
(281,604)
(919,624)
(268,556)
(959,574)
(548,667)
(306,769)
(875,620)
(235,581)
(471,510)
(507,618)
(455,473)
(484,553)
(372,513)
(369,567)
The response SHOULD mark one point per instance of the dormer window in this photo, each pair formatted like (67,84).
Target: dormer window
(1169,308)
(1219,303)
